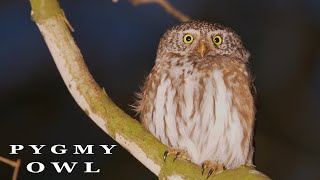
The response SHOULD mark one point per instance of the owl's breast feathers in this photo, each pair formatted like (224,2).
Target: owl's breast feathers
(205,107)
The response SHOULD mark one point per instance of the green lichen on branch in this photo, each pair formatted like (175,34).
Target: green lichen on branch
(192,172)
(45,9)
(116,121)
(95,102)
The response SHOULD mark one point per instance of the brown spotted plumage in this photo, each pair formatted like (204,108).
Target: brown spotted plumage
(198,97)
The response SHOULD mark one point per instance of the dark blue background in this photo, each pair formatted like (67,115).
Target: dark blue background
(119,43)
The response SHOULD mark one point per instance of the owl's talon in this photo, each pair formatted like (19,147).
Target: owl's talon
(178,153)
(214,167)
(165,154)
(176,156)
(210,172)
(202,168)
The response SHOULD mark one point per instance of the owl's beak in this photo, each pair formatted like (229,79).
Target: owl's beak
(202,49)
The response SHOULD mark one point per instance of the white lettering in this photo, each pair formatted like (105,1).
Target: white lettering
(65,165)
(14,148)
(82,151)
(36,149)
(89,169)
(62,151)
(108,150)
(30,169)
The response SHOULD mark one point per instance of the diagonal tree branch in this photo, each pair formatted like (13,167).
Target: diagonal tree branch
(128,132)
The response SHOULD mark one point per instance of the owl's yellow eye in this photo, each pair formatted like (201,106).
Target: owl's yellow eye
(217,40)
(187,39)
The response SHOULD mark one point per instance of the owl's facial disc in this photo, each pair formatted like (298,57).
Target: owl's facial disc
(202,48)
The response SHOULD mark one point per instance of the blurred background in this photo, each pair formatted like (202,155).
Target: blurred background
(119,43)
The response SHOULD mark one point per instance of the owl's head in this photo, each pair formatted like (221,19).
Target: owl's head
(202,39)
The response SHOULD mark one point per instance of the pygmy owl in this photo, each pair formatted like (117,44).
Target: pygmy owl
(197,100)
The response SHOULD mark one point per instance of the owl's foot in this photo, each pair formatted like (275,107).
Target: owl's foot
(250,165)
(178,153)
(213,166)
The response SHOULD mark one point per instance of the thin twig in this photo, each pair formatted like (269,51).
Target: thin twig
(165,4)
(16,170)
(8,161)
(15,164)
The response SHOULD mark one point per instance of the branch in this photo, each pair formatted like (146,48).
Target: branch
(14,164)
(92,99)
(165,5)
